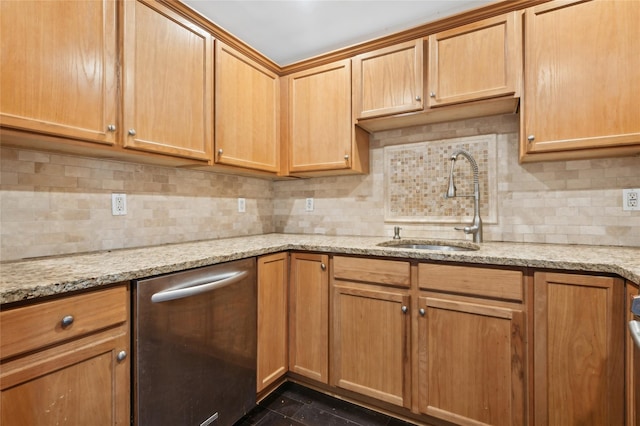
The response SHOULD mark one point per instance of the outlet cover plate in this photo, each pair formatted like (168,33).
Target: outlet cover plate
(631,199)
(308,205)
(118,204)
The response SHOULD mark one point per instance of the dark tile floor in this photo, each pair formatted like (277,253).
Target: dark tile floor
(295,405)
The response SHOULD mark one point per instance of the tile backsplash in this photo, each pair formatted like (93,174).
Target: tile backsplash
(568,202)
(417,176)
(54,204)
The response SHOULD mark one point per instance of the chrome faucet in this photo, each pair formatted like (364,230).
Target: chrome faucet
(396,232)
(476,227)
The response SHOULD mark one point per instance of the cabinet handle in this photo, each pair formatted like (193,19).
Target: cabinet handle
(122,355)
(346,157)
(111,127)
(531,138)
(432,94)
(67,320)
(422,311)
(404,309)
(220,151)
(323,266)
(132,132)
(418,98)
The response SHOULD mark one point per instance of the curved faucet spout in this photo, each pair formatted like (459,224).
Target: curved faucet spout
(476,227)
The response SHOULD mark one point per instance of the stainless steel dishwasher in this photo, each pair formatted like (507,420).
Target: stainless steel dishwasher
(195,346)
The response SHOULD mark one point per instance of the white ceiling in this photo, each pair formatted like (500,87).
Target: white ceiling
(288,31)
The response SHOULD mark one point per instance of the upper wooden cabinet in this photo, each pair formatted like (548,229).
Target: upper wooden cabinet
(475,69)
(56,81)
(474,61)
(579,332)
(582,79)
(247,112)
(322,137)
(167,82)
(389,80)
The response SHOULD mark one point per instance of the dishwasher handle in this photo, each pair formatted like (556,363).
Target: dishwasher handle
(212,283)
(634,328)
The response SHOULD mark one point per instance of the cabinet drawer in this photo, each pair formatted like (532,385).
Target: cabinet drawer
(485,282)
(392,272)
(35,326)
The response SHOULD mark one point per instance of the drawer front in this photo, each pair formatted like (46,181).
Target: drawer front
(35,326)
(485,282)
(389,272)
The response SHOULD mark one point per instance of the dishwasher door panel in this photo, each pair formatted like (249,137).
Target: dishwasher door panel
(196,356)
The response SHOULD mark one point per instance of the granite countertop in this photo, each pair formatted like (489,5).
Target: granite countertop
(34,278)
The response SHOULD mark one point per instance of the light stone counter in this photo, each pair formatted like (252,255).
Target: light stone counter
(33,278)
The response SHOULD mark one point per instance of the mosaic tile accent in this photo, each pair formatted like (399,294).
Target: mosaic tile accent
(417,177)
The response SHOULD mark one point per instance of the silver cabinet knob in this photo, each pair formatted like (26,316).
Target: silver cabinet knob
(323,266)
(422,311)
(432,94)
(67,320)
(404,309)
(111,127)
(531,138)
(132,132)
(418,98)
(122,355)
(220,151)
(346,157)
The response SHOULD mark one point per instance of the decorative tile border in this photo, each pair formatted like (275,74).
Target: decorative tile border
(417,176)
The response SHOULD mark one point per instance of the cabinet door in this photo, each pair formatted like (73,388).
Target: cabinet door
(474,61)
(168,82)
(388,81)
(578,349)
(471,361)
(59,70)
(370,349)
(320,123)
(247,105)
(79,383)
(632,365)
(581,92)
(309,321)
(272,319)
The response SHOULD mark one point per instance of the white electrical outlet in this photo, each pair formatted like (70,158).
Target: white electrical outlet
(242,205)
(118,204)
(631,199)
(308,205)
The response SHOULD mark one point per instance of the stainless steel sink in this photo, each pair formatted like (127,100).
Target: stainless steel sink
(431,245)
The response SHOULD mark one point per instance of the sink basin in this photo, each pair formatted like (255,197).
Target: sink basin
(430,245)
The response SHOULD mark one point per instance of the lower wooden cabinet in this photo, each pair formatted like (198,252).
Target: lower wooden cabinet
(579,334)
(371,342)
(371,328)
(472,362)
(309,316)
(471,349)
(66,362)
(272,319)
(632,364)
